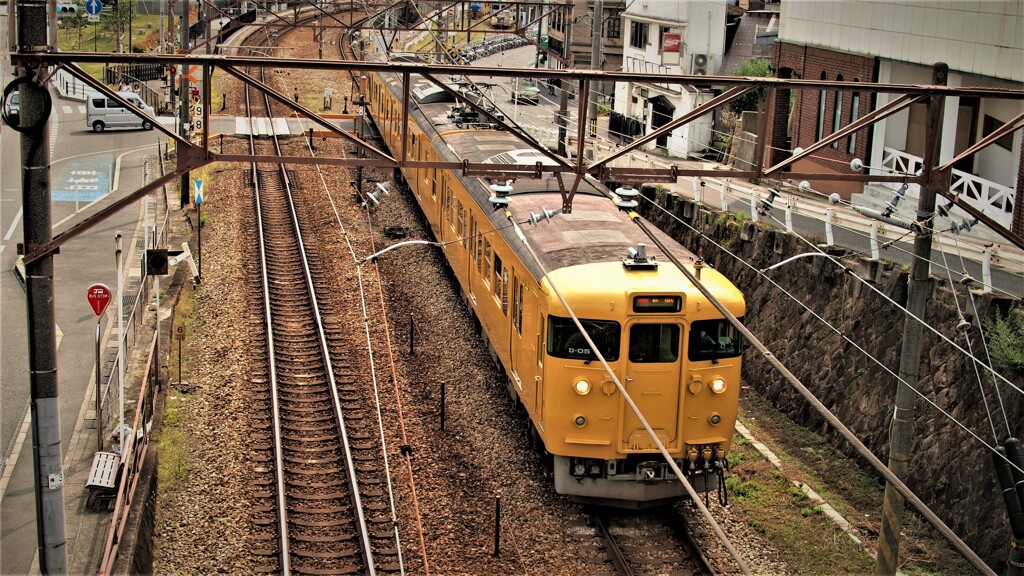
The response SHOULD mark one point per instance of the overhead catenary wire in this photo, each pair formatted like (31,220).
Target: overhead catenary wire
(903,309)
(837,424)
(970,347)
(874,359)
(893,243)
(625,395)
(984,343)
(376,391)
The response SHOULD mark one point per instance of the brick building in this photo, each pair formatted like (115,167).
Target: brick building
(874,41)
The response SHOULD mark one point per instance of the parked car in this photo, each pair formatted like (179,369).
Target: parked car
(103,112)
(527,92)
(12,108)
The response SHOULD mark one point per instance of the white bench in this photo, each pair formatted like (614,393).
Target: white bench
(102,480)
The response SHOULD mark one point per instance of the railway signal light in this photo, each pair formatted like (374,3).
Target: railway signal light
(156,262)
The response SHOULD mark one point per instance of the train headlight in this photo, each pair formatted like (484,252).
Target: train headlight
(581,420)
(582,387)
(715,419)
(718,385)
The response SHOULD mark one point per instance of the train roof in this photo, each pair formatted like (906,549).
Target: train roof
(595,231)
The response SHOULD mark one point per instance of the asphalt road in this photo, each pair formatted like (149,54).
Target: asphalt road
(88,171)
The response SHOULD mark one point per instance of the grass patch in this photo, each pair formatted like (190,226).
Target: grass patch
(807,539)
(173,447)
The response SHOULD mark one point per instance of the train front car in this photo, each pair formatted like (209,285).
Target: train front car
(675,355)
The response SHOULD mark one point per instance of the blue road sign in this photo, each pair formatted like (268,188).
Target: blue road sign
(199,191)
(93,7)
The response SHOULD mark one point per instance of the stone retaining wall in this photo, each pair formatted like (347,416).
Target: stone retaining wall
(950,470)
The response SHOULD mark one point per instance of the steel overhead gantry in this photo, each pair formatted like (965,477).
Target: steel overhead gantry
(192,156)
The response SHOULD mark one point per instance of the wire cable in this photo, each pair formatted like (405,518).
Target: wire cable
(831,327)
(821,408)
(984,343)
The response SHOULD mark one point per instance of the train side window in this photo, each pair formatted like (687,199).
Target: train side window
(485,262)
(452,213)
(650,343)
(714,339)
(462,224)
(504,291)
(566,341)
(497,276)
(473,240)
(517,304)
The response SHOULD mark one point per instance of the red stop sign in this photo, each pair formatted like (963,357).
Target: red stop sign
(99,297)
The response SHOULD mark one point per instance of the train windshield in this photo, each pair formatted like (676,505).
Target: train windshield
(566,341)
(714,339)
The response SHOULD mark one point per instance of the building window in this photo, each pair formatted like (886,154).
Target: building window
(614,24)
(851,146)
(819,129)
(837,113)
(991,125)
(638,35)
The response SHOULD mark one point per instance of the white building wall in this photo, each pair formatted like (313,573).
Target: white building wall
(702,27)
(982,37)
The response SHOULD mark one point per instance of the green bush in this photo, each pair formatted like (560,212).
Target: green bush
(758,67)
(1006,341)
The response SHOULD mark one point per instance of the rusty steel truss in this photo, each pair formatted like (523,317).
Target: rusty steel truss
(569,172)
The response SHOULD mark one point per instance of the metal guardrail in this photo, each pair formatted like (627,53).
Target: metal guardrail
(133,455)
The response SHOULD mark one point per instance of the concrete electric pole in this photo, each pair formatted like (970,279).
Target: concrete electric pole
(183,101)
(563,97)
(47,455)
(901,435)
(595,63)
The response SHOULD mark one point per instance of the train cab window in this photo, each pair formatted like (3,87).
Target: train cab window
(714,339)
(566,341)
(649,343)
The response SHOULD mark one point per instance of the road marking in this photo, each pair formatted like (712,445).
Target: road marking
(14,224)
(67,109)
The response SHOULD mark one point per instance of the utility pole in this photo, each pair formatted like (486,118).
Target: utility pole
(47,456)
(595,63)
(183,99)
(117,26)
(901,435)
(563,98)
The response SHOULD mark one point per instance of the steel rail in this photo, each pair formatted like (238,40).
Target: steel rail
(282,516)
(359,513)
(831,418)
(615,553)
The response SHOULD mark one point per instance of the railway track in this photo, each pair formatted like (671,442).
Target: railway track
(653,542)
(326,506)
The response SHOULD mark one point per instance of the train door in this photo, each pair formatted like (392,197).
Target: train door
(538,389)
(652,379)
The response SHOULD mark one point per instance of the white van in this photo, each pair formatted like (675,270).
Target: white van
(103,112)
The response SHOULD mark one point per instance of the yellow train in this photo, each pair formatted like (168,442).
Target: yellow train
(676,356)
(502,19)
